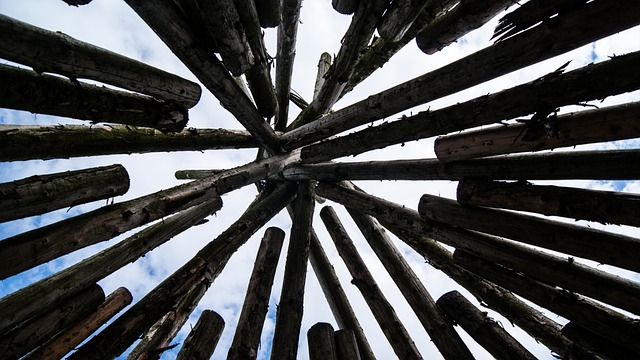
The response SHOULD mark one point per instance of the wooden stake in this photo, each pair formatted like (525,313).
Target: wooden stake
(321,342)
(43,193)
(399,17)
(345,7)
(268,12)
(346,345)
(203,338)
(246,340)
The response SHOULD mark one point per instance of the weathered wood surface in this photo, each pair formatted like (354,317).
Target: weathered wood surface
(601,246)
(40,194)
(48,51)
(595,343)
(345,7)
(383,311)
(203,338)
(324,64)
(346,345)
(66,340)
(195,174)
(322,345)
(246,340)
(611,123)
(483,329)
(399,17)
(537,44)
(607,207)
(285,55)
(29,142)
(269,12)
(290,308)
(23,89)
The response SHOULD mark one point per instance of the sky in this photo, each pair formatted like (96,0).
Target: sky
(113,25)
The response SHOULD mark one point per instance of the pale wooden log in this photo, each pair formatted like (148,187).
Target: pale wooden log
(382,310)
(590,126)
(459,21)
(200,60)
(399,17)
(246,340)
(604,247)
(600,319)
(29,142)
(607,207)
(346,345)
(324,64)
(43,193)
(40,296)
(69,338)
(269,12)
(35,331)
(203,268)
(532,46)
(203,338)
(48,51)
(23,89)
(483,329)
(345,7)
(290,307)
(541,96)
(595,343)
(321,342)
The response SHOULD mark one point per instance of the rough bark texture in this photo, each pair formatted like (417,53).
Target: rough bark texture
(346,345)
(321,342)
(595,343)
(269,12)
(324,64)
(203,338)
(399,17)
(286,52)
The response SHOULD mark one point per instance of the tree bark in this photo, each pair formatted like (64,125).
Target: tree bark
(324,64)
(269,12)
(203,338)
(399,17)
(345,7)
(607,207)
(346,345)
(595,343)
(196,174)
(246,340)
(43,193)
(48,51)
(321,342)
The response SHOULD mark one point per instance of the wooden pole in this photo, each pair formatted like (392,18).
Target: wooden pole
(43,193)
(66,340)
(195,174)
(203,338)
(345,7)
(23,89)
(604,247)
(590,126)
(246,340)
(29,142)
(321,342)
(269,12)
(483,329)
(607,207)
(324,64)
(346,345)
(48,51)
(539,43)
(399,17)
(289,314)
(382,310)
(595,343)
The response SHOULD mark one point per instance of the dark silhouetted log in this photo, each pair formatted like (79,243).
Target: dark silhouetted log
(604,247)
(321,342)
(35,331)
(201,61)
(23,89)
(457,22)
(399,17)
(48,51)
(346,345)
(607,207)
(382,310)
(28,142)
(290,307)
(595,343)
(43,193)
(345,7)
(40,296)
(246,340)
(483,329)
(591,126)
(77,2)
(203,338)
(268,12)
(604,321)
(69,338)
(324,64)
(544,41)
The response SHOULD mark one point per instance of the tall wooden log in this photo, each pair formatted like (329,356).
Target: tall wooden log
(27,336)
(604,247)
(246,340)
(324,64)
(382,310)
(590,126)
(42,295)
(399,17)
(200,60)
(544,41)
(269,12)
(321,342)
(66,340)
(23,89)
(607,207)
(203,338)
(346,345)
(483,329)
(195,174)
(43,193)
(345,7)
(29,142)
(595,343)
(290,307)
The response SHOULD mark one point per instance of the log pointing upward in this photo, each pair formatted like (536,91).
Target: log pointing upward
(203,338)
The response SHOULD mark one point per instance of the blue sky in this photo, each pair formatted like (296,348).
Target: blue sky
(112,25)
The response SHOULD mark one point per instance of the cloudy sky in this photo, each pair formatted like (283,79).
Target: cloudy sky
(113,25)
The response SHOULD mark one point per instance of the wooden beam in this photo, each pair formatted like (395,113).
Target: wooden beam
(269,12)
(203,338)
(399,17)
(321,342)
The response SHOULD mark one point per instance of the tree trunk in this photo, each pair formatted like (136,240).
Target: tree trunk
(321,342)
(203,338)
(40,194)
(595,343)
(345,7)
(246,340)
(399,17)
(269,12)
(346,345)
